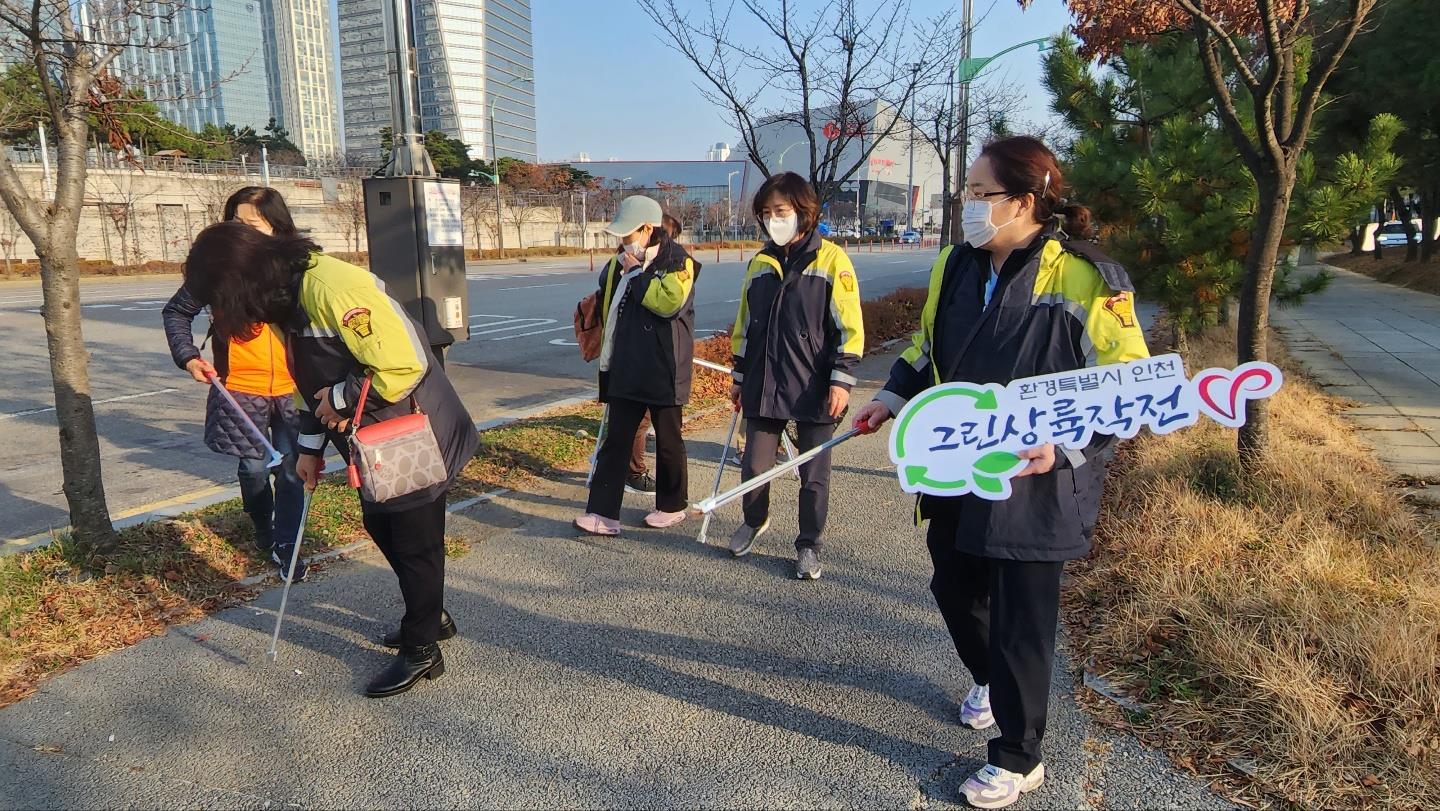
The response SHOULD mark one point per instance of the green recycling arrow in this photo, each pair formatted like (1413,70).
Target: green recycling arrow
(984,400)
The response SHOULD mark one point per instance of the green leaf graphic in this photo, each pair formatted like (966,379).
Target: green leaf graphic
(996,462)
(989,484)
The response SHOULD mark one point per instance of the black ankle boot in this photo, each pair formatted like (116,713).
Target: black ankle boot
(447,630)
(411,664)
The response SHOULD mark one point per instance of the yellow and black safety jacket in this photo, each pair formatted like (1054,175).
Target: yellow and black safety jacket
(650,341)
(346,328)
(798,331)
(1057,306)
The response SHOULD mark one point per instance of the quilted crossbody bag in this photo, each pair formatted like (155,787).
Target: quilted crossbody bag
(394,457)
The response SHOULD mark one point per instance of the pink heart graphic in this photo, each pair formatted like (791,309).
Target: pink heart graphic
(1241,388)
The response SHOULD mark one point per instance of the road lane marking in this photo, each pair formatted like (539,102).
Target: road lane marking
(533,287)
(31,411)
(532,322)
(536,332)
(38,298)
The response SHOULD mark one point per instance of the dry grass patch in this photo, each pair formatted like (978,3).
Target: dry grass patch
(1291,619)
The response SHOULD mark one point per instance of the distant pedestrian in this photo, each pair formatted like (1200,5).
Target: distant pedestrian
(254,370)
(648,308)
(1023,296)
(797,340)
(342,329)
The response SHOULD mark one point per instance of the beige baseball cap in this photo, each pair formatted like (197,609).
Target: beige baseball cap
(635,211)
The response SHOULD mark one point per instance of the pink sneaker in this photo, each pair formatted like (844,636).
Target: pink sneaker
(597,524)
(661,520)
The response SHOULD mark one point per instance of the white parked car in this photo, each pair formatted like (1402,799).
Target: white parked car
(1392,234)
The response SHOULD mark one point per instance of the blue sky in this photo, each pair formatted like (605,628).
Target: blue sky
(607,84)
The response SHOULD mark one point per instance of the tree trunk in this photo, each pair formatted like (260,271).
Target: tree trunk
(70,375)
(1357,239)
(1275,187)
(1427,224)
(1402,211)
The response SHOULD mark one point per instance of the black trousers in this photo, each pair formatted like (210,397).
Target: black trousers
(413,541)
(607,486)
(1002,616)
(762,443)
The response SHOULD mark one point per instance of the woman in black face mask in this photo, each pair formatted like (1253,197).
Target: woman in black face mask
(645,365)
(1020,298)
(797,339)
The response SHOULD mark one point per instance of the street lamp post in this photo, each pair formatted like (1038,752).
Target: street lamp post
(781,161)
(910,182)
(729,204)
(966,69)
(495,165)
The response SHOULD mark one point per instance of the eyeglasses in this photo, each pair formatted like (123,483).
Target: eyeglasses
(981,195)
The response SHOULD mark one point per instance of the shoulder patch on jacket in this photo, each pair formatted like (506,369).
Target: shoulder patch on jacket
(847,280)
(1110,271)
(1122,306)
(357,320)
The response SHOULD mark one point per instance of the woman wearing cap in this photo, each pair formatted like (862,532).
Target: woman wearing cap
(797,340)
(649,312)
(1022,297)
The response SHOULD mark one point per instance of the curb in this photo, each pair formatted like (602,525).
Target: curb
(215,494)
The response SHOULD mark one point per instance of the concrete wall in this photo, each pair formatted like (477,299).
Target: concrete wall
(133,217)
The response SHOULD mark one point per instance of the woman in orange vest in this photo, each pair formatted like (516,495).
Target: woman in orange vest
(254,371)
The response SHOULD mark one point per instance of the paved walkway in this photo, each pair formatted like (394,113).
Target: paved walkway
(1378,345)
(645,671)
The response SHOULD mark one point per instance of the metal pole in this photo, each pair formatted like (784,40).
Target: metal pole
(45,184)
(719,471)
(264,165)
(910,183)
(599,438)
(285,592)
(495,166)
(585,223)
(962,110)
(715,502)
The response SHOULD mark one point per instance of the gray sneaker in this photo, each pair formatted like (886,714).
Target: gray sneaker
(807,564)
(745,537)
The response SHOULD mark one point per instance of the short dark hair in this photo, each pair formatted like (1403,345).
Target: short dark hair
(246,276)
(796,191)
(270,204)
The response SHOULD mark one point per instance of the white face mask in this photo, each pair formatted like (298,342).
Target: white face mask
(976,225)
(637,248)
(782,229)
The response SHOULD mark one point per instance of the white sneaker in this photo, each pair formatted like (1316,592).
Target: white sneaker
(994,787)
(975,711)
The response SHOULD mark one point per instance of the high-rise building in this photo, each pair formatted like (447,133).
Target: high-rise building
(302,90)
(469,54)
(201,63)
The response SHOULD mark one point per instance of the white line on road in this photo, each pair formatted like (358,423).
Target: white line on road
(532,322)
(29,412)
(37,298)
(536,332)
(897,261)
(533,287)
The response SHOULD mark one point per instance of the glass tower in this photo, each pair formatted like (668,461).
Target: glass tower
(469,54)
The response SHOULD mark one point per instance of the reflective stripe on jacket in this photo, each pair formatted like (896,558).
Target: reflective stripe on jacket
(346,328)
(652,337)
(1058,306)
(798,331)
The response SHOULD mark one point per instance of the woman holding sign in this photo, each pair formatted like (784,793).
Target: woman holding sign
(1022,297)
(797,340)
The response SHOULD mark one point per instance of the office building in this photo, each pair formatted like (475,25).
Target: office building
(302,87)
(876,195)
(199,63)
(469,53)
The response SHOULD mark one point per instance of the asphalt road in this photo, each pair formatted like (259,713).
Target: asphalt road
(150,414)
(644,671)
